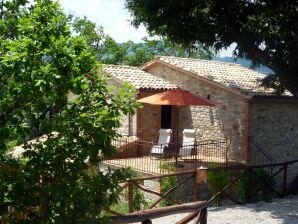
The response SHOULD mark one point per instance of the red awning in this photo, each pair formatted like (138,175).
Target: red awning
(176,97)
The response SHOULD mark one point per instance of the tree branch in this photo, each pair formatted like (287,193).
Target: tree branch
(254,52)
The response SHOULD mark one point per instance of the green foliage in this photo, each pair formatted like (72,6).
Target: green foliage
(167,183)
(221,179)
(139,201)
(121,206)
(130,53)
(93,35)
(265,31)
(57,179)
(140,53)
(259,191)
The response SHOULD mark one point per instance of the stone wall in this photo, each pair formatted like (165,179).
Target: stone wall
(128,125)
(148,119)
(274,126)
(228,119)
(128,122)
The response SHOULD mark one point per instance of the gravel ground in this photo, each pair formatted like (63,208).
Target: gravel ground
(280,211)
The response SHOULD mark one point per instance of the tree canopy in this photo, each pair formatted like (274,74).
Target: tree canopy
(265,31)
(109,51)
(57,179)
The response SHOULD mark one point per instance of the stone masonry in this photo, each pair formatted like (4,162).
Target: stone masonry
(274,126)
(243,108)
(227,120)
(148,119)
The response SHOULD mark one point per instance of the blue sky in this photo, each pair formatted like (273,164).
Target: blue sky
(112,15)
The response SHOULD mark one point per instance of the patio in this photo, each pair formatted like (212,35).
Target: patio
(135,154)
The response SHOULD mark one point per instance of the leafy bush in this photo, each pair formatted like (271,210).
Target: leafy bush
(221,179)
(259,190)
(167,183)
(139,201)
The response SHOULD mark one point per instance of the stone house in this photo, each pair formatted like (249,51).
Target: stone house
(243,108)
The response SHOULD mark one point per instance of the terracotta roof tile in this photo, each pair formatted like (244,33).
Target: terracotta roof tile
(138,78)
(231,75)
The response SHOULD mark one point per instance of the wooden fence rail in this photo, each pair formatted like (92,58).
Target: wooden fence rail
(198,209)
(201,176)
(146,215)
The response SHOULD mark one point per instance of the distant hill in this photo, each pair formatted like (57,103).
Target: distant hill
(245,63)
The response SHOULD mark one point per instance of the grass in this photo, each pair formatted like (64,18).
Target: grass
(121,207)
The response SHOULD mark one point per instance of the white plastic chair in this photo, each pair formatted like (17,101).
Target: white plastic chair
(188,142)
(163,142)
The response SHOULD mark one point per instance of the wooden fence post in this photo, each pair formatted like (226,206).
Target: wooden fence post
(130,196)
(203,216)
(285,181)
(201,177)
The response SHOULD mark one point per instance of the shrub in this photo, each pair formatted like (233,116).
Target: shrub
(259,190)
(139,201)
(167,183)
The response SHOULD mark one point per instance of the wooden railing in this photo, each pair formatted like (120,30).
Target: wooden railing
(198,209)
(250,173)
(134,184)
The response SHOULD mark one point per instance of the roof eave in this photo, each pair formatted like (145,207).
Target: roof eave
(274,98)
(156,89)
(121,82)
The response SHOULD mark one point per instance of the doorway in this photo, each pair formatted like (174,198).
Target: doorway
(166,117)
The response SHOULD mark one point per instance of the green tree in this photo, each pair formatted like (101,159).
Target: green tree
(106,49)
(57,179)
(130,53)
(93,34)
(140,53)
(265,31)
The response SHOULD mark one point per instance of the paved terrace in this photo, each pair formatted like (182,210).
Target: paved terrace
(152,165)
(136,155)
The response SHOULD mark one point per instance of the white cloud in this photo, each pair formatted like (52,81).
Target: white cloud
(227,52)
(111,14)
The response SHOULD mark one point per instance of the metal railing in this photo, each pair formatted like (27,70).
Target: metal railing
(258,156)
(137,154)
